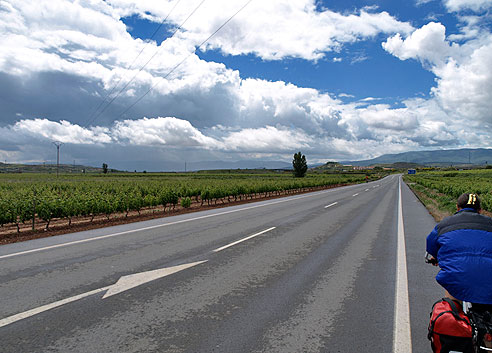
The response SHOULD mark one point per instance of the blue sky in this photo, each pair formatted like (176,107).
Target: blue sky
(337,80)
(360,72)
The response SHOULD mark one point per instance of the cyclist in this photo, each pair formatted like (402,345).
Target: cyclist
(461,245)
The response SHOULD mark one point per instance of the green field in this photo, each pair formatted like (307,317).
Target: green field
(87,195)
(444,187)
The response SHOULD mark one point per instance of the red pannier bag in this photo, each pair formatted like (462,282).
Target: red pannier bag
(449,328)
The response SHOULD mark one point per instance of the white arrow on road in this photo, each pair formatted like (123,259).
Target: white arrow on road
(124,283)
(135,280)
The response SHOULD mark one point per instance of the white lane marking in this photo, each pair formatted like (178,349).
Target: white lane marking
(137,279)
(332,204)
(244,239)
(162,225)
(355,195)
(124,283)
(402,337)
(367,189)
(11,319)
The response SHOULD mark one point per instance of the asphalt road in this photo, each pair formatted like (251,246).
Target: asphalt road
(309,273)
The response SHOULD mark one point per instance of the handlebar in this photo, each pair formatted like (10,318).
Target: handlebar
(429,259)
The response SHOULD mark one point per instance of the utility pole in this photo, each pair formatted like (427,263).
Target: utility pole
(34,211)
(57,144)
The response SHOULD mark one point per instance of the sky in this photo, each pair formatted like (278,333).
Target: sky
(162,85)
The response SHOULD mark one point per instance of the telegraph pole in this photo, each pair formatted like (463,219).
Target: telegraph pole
(57,144)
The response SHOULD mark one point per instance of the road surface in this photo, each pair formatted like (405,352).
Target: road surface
(339,270)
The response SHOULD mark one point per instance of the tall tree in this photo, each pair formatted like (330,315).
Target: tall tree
(300,165)
(105,168)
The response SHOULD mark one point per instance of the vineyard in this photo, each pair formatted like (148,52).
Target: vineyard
(444,187)
(42,198)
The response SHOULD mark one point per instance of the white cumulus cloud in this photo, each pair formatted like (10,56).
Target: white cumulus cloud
(159,132)
(168,131)
(270,29)
(476,5)
(268,139)
(465,89)
(62,131)
(463,72)
(427,44)
(60,58)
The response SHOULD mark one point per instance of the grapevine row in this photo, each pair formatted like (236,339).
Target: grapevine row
(21,201)
(453,184)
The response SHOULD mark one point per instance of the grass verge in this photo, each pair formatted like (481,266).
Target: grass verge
(439,205)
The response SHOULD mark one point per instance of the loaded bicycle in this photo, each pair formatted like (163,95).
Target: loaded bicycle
(459,326)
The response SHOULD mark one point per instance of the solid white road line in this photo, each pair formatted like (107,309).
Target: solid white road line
(123,284)
(402,337)
(161,225)
(244,239)
(11,319)
(332,204)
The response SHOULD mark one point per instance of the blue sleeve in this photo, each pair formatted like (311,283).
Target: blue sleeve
(432,244)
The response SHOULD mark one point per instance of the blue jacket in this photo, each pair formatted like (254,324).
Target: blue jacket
(462,244)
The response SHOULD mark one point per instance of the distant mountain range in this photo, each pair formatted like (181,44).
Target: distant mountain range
(457,157)
(46,168)
(212,165)
(477,156)
(142,166)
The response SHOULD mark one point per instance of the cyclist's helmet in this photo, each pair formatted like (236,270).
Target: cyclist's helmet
(467,200)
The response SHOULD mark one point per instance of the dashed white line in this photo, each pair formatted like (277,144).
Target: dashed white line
(332,204)
(367,189)
(244,239)
(355,195)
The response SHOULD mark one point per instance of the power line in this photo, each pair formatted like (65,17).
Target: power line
(129,67)
(182,61)
(143,67)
